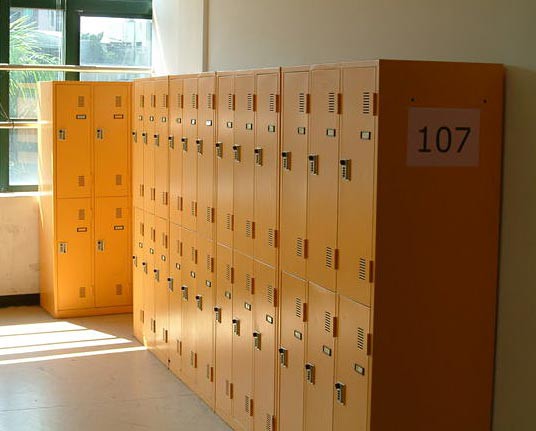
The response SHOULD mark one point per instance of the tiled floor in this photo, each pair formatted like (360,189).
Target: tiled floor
(88,374)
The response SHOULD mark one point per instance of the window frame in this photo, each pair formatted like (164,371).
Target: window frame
(73,11)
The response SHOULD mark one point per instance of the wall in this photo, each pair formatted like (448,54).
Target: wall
(19,237)
(246,34)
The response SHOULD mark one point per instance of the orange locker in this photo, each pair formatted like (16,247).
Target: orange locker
(320,363)
(149,329)
(352,367)
(189,148)
(148,133)
(111,114)
(223,316)
(74,254)
(138,254)
(176,103)
(160,141)
(161,289)
(113,284)
(265,346)
(243,288)
(73,153)
(294,153)
(138,105)
(243,171)
(356,186)
(175,298)
(292,342)
(266,154)
(225,159)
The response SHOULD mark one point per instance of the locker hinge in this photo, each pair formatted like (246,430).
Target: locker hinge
(165,335)
(229,389)
(193,359)
(210,373)
(165,197)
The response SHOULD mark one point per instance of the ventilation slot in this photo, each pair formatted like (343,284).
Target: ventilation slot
(247,405)
(119,289)
(249,283)
(331,258)
(332,103)
(302,103)
(327,321)
(81,214)
(194,101)
(180,101)
(269,423)
(81,101)
(229,273)
(210,101)
(194,255)
(119,180)
(273,103)
(229,221)
(81,181)
(300,247)
(360,338)
(118,101)
(299,308)
(210,215)
(250,229)
(142,101)
(164,100)
(230,102)
(270,295)
(119,213)
(272,237)
(367,100)
(82,292)
(362,269)
(210,263)
(251,102)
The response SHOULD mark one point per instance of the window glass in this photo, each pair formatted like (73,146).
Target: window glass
(23,157)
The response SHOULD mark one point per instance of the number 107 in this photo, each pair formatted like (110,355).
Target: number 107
(446,139)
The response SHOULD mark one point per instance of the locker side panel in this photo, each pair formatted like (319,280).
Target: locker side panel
(175,298)
(161,292)
(189,161)
(176,102)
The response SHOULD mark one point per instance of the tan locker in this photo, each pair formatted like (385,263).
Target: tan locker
(243,288)
(265,346)
(148,265)
(204,300)
(176,103)
(356,184)
(243,171)
(138,105)
(138,239)
(225,159)
(161,289)
(149,127)
(73,140)
(160,142)
(74,254)
(189,148)
(266,154)
(294,152)
(223,316)
(292,342)
(320,361)
(189,362)
(111,114)
(323,167)
(352,367)
(112,251)
(175,298)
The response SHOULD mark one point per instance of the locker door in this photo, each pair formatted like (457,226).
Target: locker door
(148,145)
(189,148)
(176,101)
(295,133)
(112,252)
(161,291)
(223,315)
(111,104)
(175,298)
(73,140)
(138,103)
(352,368)
(74,254)
(148,281)
(356,184)
(265,346)
(160,141)
(242,341)
(292,352)
(204,299)
(243,172)
(323,177)
(138,239)
(225,160)
(267,168)
(205,157)
(188,288)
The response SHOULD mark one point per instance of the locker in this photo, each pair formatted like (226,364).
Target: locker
(206,163)
(223,316)
(138,103)
(356,184)
(138,253)
(204,299)
(175,298)
(160,142)
(225,159)
(243,288)
(73,140)
(176,102)
(266,153)
(148,264)
(320,363)
(112,251)
(161,289)
(293,338)
(265,346)
(323,167)
(149,130)
(295,135)
(352,367)
(74,254)
(111,150)
(243,168)
(189,148)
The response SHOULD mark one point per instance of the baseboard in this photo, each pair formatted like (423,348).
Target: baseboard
(19,300)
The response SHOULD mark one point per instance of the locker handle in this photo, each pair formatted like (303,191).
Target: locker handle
(184,290)
(170,284)
(283,357)
(217,314)
(310,373)
(285,155)
(258,156)
(100,134)
(144,137)
(184,141)
(340,391)
(236,326)
(156,274)
(62,134)
(62,247)
(313,164)
(199,301)
(100,245)
(219,150)
(346,169)
(135,136)
(199,143)
(236,153)
(144,264)
(156,139)
(171,142)
(257,340)
(135,260)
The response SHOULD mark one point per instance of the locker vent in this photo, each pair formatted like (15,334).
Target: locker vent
(210,215)
(81,214)
(164,101)
(119,213)
(210,263)
(250,229)
(251,102)
(367,100)
(119,180)
(229,221)
(360,338)
(327,322)
(248,405)
(331,258)
(81,181)
(332,103)
(210,100)
(142,229)
(302,103)
(229,273)
(82,292)
(179,203)
(272,103)
(119,289)
(272,237)
(142,101)
(362,269)
(180,101)
(193,209)
(194,255)
(179,247)
(269,422)
(250,282)
(301,247)
(81,101)
(299,308)
(118,101)
(194,101)
(230,102)
(270,295)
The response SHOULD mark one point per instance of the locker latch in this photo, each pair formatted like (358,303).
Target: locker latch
(258,156)
(199,143)
(199,301)
(236,153)
(100,245)
(219,150)
(170,284)
(285,155)
(217,314)
(193,359)
(135,260)
(184,290)
(144,264)
(184,141)
(283,357)
(135,136)
(313,164)
(210,373)
(63,247)
(171,141)
(236,326)
(62,134)
(156,274)
(144,137)
(340,392)
(310,373)
(257,340)
(346,169)
(156,140)
(100,134)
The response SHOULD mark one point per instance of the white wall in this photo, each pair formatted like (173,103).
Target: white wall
(19,245)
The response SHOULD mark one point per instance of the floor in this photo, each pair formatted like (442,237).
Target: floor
(88,374)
